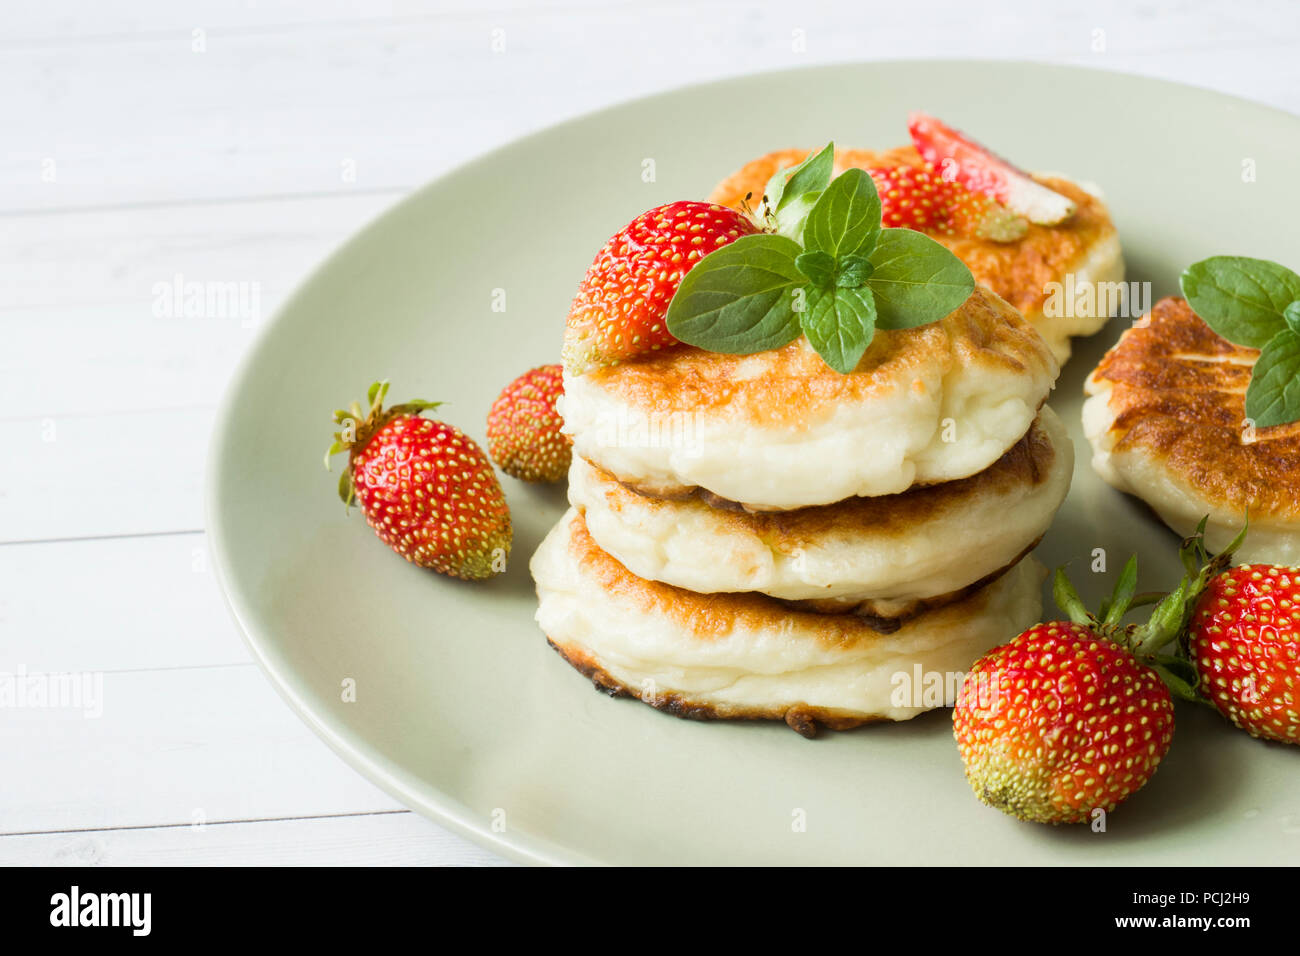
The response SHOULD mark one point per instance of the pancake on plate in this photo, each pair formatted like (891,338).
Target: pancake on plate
(1085,246)
(780,429)
(884,557)
(738,656)
(1166,418)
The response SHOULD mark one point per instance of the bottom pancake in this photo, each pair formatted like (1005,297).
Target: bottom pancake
(748,656)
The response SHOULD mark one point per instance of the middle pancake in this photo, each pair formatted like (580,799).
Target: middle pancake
(885,557)
(780,429)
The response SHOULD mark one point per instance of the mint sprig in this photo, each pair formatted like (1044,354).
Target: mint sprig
(827,270)
(791,193)
(1254,303)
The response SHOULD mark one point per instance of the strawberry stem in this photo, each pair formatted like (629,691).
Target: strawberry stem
(358,427)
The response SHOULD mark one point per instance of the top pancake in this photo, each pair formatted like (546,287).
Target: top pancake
(1167,420)
(1085,244)
(780,429)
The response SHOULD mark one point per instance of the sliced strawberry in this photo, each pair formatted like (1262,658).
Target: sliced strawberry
(913,197)
(967,162)
(973,214)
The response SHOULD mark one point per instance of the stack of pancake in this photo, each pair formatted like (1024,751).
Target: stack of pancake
(762,537)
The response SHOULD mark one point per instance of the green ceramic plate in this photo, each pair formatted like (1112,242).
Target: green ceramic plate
(463,713)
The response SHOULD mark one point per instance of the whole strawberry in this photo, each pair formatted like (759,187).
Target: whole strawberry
(523,427)
(1074,716)
(426,489)
(1060,722)
(1244,640)
(621,303)
(917,197)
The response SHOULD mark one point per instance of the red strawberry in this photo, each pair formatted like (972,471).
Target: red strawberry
(426,489)
(1072,716)
(1244,640)
(523,427)
(917,198)
(1060,722)
(620,306)
(967,162)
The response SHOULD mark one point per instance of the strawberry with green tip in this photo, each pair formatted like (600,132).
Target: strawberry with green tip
(426,489)
(1075,716)
(619,310)
(523,427)
(916,197)
(1244,641)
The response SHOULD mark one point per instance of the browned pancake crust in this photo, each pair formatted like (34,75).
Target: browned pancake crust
(1025,464)
(708,616)
(1179,394)
(801,718)
(794,386)
(1017,271)
(888,623)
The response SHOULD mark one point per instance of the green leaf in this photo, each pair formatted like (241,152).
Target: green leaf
(839,324)
(1241,299)
(810,176)
(819,267)
(853,271)
(739,299)
(1179,676)
(916,280)
(1068,600)
(792,193)
(1273,397)
(846,219)
(1122,598)
(1292,316)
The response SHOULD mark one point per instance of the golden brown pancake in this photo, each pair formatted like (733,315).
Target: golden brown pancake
(780,429)
(886,557)
(738,656)
(1020,272)
(1167,423)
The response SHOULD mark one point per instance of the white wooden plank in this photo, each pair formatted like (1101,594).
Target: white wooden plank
(383,839)
(386,103)
(114,604)
(120,256)
(170,747)
(92,475)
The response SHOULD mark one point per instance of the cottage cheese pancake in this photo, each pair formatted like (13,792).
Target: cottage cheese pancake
(1166,420)
(888,553)
(1086,245)
(780,429)
(749,656)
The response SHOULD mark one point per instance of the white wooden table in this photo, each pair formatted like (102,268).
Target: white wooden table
(239,141)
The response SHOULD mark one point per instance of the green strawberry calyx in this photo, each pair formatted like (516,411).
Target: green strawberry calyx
(1160,642)
(358,426)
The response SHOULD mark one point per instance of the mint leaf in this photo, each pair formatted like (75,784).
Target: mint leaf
(819,267)
(839,324)
(846,218)
(1241,299)
(1273,397)
(916,280)
(1292,316)
(853,271)
(811,176)
(738,299)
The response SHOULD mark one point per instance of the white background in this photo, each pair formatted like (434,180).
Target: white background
(240,141)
